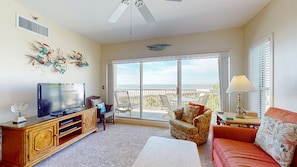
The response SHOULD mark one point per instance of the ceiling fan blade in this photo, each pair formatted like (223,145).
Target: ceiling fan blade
(145,12)
(119,11)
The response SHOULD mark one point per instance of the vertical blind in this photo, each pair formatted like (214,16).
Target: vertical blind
(261,75)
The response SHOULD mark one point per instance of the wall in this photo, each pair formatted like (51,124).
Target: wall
(279,18)
(19,78)
(222,40)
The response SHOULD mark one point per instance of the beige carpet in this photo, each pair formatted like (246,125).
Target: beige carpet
(118,146)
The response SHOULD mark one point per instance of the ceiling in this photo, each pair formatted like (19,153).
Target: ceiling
(89,17)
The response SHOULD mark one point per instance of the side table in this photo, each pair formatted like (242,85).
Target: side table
(228,118)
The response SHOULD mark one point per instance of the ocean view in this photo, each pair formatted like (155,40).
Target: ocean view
(151,92)
(164,86)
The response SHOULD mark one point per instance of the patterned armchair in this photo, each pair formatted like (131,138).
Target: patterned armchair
(196,129)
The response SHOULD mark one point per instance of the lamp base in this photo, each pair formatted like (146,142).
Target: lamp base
(240,112)
(19,120)
(239,116)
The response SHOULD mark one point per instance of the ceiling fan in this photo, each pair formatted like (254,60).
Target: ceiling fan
(140,5)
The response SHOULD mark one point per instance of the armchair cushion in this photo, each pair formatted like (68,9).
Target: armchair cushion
(189,112)
(185,127)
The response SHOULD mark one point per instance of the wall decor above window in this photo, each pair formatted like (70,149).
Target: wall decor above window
(157,47)
(46,56)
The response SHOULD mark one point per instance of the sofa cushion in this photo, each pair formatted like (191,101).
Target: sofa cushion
(278,139)
(238,153)
(189,113)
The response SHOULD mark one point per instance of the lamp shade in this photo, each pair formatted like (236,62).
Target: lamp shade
(240,83)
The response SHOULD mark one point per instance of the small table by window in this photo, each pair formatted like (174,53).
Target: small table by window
(228,118)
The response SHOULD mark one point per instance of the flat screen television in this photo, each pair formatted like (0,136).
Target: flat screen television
(57,99)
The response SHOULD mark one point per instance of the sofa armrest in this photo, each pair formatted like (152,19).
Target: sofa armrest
(234,133)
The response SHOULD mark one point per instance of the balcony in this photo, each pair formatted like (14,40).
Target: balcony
(152,108)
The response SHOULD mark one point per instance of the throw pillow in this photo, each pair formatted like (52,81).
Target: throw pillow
(278,139)
(201,107)
(94,102)
(189,113)
(102,108)
(178,113)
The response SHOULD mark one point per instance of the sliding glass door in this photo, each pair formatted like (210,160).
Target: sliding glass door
(200,81)
(158,86)
(127,82)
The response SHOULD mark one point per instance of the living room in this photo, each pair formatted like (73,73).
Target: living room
(20,77)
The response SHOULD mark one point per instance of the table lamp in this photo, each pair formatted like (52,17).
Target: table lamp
(19,107)
(240,84)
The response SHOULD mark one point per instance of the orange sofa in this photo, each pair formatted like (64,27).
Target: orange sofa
(234,146)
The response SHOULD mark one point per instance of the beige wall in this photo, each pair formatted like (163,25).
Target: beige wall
(279,18)
(222,40)
(19,78)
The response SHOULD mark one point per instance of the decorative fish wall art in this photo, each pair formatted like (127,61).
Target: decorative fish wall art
(47,57)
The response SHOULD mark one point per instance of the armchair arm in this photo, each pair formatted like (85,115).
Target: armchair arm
(234,133)
(202,118)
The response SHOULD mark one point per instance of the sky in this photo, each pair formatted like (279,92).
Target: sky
(194,71)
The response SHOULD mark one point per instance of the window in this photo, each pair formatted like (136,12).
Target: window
(260,68)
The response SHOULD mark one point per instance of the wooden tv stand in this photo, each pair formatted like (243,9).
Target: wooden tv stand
(33,141)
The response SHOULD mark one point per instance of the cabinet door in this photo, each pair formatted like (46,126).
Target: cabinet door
(42,140)
(89,119)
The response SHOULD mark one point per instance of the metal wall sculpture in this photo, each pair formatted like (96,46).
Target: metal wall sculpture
(47,57)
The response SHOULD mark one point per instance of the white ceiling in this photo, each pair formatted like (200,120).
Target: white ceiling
(89,17)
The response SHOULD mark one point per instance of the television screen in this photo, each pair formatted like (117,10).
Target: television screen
(57,99)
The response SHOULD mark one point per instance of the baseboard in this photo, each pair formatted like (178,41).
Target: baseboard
(162,124)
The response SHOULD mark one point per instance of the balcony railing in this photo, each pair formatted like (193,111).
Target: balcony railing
(151,98)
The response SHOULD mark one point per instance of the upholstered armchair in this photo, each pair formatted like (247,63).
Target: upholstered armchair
(194,127)
(104,111)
